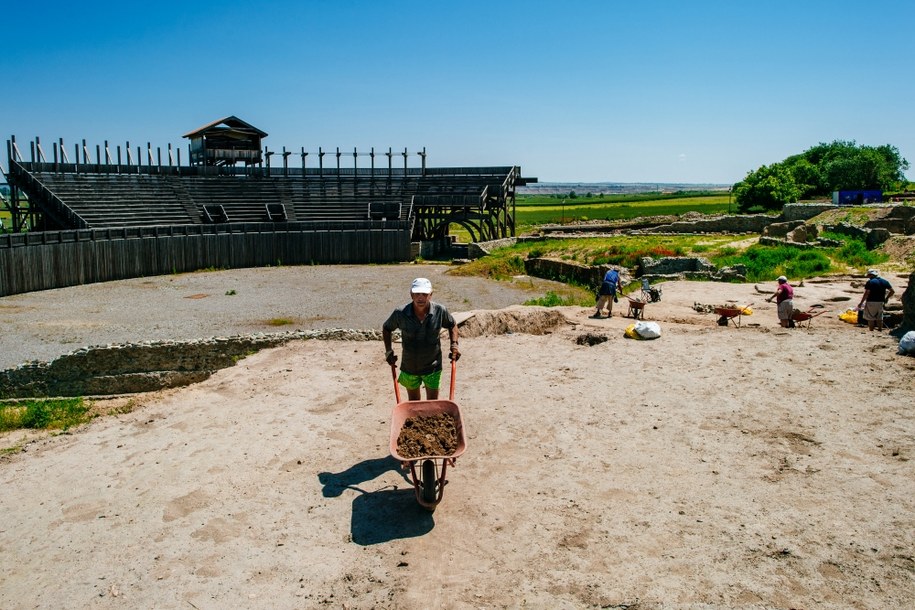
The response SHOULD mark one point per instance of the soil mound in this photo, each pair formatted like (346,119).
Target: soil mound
(528,320)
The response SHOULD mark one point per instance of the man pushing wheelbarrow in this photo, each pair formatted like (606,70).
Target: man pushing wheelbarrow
(420,323)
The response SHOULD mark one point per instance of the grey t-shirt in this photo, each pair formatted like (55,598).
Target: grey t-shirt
(422,348)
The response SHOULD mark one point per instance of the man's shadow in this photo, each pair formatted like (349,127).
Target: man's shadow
(383,515)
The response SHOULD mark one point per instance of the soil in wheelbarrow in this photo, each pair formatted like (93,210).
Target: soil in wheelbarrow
(427,435)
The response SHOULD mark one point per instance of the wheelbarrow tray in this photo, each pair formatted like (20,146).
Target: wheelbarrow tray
(729,312)
(803,316)
(420,408)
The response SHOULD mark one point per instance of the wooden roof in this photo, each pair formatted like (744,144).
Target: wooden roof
(232,122)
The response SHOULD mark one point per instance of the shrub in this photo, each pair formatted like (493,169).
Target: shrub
(58,414)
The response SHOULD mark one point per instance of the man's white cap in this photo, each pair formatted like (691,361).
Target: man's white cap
(781,278)
(873,272)
(421,285)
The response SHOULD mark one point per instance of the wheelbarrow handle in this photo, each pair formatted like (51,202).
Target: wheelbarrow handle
(453,371)
(396,386)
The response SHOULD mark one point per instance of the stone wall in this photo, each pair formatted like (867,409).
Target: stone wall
(804,211)
(146,367)
(781,229)
(480,249)
(872,237)
(745,223)
(667,268)
(564,271)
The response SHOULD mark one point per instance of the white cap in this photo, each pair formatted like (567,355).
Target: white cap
(421,285)
(873,272)
(781,278)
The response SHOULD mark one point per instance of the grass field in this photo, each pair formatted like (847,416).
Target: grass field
(530,213)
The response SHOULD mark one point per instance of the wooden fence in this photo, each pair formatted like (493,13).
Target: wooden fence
(46,260)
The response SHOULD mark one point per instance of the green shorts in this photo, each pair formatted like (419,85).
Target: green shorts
(432,381)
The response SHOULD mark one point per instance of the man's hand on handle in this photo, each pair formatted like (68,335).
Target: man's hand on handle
(455,353)
(391,357)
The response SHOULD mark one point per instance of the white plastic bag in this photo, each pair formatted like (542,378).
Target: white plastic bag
(648,330)
(907,343)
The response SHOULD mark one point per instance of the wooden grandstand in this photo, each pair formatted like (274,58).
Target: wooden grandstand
(227,191)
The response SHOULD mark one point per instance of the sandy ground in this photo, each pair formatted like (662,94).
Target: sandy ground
(715,467)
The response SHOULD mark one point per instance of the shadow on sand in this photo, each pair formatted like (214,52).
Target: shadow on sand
(383,515)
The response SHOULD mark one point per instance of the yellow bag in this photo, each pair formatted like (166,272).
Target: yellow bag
(747,311)
(630,332)
(850,316)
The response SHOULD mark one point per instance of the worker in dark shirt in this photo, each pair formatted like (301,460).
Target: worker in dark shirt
(877,291)
(420,322)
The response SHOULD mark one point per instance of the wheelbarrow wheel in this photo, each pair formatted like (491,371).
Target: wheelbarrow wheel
(429,481)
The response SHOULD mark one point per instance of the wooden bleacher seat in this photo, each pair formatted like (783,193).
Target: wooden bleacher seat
(215,214)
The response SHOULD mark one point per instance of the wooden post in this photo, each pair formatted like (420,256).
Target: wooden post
(404,162)
(85,153)
(390,162)
(129,156)
(76,156)
(41,157)
(139,158)
(338,162)
(320,162)
(32,151)
(119,159)
(54,148)
(423,155)
(171,159)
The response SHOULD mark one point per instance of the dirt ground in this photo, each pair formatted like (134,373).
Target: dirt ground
(714,467)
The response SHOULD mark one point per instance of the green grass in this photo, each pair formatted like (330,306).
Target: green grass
(763,263)
(54,414)
(551,299)
(768,262)
(280,321)
(532,211)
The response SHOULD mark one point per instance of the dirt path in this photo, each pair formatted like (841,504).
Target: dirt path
(714,467)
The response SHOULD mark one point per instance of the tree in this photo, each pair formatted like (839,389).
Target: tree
(768,188)
(820,170)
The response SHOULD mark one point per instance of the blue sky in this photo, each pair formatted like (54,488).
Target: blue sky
(660,91)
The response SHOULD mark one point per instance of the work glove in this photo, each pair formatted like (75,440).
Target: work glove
(391,357)
(455,353)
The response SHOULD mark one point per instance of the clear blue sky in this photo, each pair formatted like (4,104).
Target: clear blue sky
(663,91)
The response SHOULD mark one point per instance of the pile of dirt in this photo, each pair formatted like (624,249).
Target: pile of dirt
(528,320)
(428,435)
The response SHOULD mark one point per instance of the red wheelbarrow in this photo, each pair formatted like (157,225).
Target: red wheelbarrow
(728,314)
(806,316)
(429,483)
(636,308)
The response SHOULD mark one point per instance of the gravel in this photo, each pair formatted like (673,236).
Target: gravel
(47,324)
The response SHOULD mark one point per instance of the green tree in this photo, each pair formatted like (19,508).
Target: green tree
(820,170)
(768,188)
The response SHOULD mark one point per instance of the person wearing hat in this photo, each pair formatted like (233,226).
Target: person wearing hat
(877,291)
(420,322)
(606,294)
(784,298)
